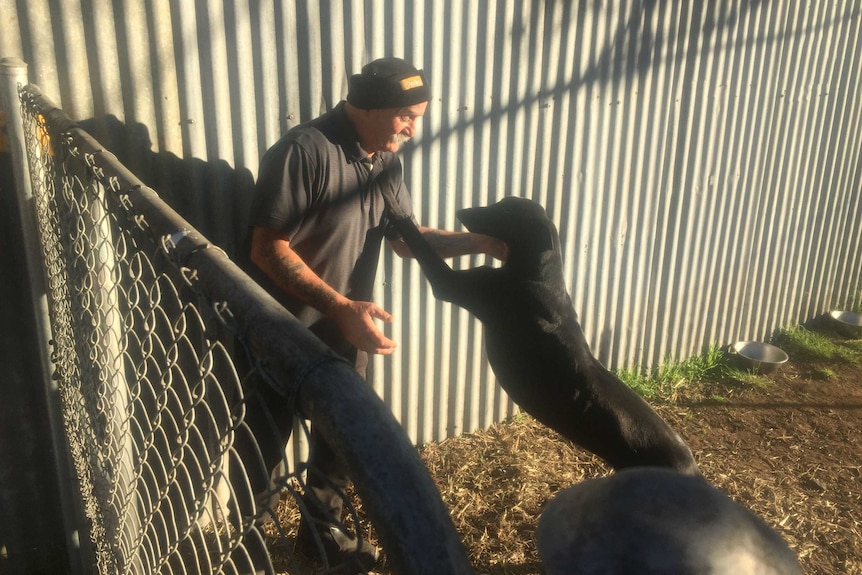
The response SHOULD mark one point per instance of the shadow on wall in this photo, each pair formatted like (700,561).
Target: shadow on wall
(213,197)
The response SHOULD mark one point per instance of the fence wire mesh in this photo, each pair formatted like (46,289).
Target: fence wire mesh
(169,404)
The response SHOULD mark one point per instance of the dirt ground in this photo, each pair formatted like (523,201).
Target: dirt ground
(787,449)
(785,446)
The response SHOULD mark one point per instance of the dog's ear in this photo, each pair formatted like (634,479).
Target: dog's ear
(543,235)
(546,238)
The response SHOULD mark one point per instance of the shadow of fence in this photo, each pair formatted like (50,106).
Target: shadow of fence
(213,196)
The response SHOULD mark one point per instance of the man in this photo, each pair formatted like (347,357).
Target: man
(318,221)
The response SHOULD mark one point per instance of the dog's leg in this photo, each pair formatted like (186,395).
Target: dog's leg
(443,279)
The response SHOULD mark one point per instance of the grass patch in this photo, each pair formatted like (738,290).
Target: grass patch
(824,374)
(667,378)
(807,345)
(814,347)
(746,377)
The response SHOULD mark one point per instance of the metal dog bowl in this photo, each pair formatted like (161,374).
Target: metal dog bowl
(759,357)
(848,322)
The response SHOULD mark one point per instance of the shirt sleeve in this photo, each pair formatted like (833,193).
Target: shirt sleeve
(284,189)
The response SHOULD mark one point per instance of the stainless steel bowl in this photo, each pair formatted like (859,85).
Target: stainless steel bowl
(848,322)
(759,357)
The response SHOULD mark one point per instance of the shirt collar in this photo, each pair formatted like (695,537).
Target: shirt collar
(347,137)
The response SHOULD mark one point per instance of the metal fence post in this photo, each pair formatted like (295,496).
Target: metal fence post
(38,499)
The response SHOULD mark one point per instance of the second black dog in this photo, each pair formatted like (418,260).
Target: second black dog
(535,344)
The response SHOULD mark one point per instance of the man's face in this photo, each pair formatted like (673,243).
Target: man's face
(389,128)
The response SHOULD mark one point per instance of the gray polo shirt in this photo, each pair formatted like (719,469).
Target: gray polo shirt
(320,188)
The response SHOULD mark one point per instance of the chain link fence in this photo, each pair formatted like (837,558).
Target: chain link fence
(182,381)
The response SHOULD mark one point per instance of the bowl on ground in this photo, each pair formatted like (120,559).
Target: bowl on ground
(848,322)
(758,357)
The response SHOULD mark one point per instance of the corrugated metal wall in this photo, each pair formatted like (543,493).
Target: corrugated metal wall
(701,159)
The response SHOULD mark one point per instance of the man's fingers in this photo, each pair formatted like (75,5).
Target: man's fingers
(380,313)
(384,345)
(359,328)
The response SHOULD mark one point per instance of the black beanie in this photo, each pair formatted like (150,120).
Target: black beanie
(388,83)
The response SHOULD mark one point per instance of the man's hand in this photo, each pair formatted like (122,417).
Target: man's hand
(271,251)
(496,248)
(355,319)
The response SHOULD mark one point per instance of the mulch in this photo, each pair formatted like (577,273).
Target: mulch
(786,448)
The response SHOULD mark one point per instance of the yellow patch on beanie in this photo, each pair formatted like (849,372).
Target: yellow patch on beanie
(411,82)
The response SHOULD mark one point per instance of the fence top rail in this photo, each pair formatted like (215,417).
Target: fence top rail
(54,116)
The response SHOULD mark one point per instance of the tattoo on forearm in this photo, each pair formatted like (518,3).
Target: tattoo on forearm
(299,280)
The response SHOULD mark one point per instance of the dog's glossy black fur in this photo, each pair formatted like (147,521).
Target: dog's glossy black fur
(535,344)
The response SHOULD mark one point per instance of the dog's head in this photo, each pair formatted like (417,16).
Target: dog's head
(523,224)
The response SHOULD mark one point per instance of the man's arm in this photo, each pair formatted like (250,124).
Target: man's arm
(271,252)
(448,244)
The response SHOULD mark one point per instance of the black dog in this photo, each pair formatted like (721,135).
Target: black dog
(534,342)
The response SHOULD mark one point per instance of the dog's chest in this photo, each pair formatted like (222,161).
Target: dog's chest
(526,304)
(538,359)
